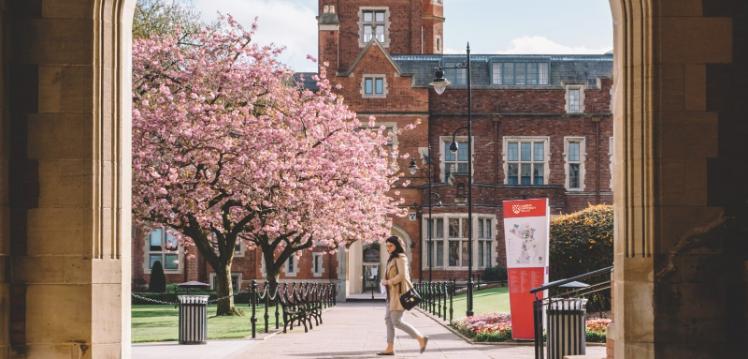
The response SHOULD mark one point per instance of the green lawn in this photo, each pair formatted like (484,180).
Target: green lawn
(155,323)
(490,300)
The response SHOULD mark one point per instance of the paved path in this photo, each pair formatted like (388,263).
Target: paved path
(357,331)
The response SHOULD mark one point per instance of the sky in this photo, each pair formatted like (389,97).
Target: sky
(491,26)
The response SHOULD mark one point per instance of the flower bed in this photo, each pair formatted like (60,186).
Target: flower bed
(497,327)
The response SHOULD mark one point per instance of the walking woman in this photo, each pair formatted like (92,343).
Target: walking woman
(397,282)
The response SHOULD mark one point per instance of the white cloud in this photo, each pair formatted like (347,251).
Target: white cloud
(544,45)
(282,22)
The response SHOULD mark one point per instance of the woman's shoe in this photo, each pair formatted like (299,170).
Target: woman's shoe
(386,353)
(425,342)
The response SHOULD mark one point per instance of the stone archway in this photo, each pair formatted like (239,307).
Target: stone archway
(68,63)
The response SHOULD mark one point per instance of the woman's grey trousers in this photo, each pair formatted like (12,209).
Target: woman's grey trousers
(393,319)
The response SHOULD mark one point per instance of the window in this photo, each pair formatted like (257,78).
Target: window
(236,280)
(574,99)
(457,233)
(292,266)
(438,44)
(520,73)
(525,161)
(318,264)
(485,238)
(373,26)
(374,86)
(456,76)
(436,246)
(164,248)
(456,163)
(574,155)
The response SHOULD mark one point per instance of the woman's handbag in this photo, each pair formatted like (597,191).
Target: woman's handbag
(410,299)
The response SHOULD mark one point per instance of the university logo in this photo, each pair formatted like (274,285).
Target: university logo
(522,208)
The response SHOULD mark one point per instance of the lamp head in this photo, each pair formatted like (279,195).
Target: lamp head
(412,168)
(453,147)
(440,83)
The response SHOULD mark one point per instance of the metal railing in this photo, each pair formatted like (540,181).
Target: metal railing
(566,302)
(294,303)
(438,296)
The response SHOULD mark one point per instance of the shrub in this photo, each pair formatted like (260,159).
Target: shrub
(494,274)
(581,242)
(158,279)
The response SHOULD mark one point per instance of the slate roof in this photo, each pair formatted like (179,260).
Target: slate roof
(563,68)
(307,79)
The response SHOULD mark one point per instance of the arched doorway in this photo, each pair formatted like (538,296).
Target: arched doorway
(365,264)
(72,294)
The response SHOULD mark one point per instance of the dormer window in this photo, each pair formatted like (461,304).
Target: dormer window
(373,24)
(574,99)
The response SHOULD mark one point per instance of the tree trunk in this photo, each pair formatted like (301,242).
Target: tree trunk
(224,289)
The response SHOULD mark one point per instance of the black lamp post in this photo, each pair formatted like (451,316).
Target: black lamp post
(440,85)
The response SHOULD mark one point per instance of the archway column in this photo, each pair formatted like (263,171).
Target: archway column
(663,138)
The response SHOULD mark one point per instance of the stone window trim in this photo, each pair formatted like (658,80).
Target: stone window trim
(438,44)
(386,9)
(582,161)
(374,77)
(238,275)
(546,155)
(390,126)
(570,88)
(238,253)
(295,271)
(321,257)
(147,252)
(443,142)
(445,238)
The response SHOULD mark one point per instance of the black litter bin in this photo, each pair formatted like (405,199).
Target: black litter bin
(566,327)
(193,319)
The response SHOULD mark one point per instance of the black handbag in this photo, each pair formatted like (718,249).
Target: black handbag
(411,298)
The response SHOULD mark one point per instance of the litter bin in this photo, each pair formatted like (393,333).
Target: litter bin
(193,319)
(566,327)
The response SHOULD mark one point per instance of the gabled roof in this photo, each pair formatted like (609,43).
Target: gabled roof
(373,43)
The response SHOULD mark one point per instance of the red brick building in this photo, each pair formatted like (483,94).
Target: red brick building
(542,127)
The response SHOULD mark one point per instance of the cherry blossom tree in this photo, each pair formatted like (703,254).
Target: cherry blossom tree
(227,147)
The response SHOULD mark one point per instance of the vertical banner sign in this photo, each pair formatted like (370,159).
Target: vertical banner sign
(526,227)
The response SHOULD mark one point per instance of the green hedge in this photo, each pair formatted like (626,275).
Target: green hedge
(581,242)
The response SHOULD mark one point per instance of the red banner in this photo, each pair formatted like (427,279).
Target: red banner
(526,227)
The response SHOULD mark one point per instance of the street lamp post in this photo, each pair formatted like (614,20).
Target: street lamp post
(429,227)
(440,85)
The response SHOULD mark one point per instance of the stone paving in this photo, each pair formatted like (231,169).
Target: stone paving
(356,330)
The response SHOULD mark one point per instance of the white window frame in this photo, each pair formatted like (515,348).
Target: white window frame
(147,254)
(296,266)
(546,158)
(361,24)
(444,217)
(318,256)
(374,78)
(568,105)
(242,249)
(456,75)
(485,239)
(582,159)
(444,141)
(212,281)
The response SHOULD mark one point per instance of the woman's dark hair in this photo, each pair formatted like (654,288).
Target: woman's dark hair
(398,247)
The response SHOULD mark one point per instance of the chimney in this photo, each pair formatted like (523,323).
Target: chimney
(329,36)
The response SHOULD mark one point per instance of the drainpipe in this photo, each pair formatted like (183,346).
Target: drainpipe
(596,121)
